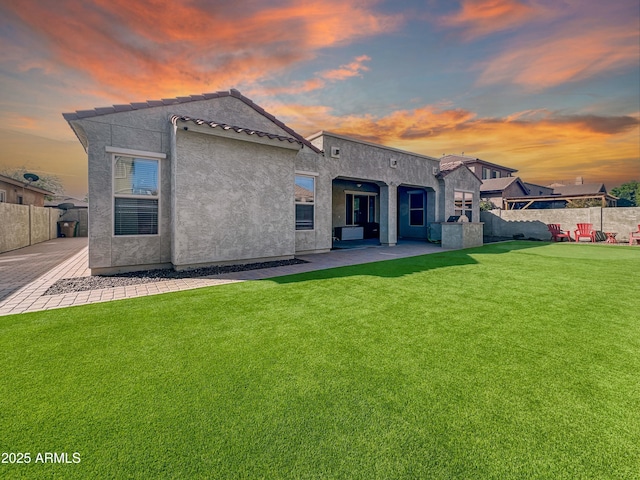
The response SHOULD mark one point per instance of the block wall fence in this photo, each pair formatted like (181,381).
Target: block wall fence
(533,223)
(24,225)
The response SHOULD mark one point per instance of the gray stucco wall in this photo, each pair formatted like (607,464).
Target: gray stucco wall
(386,167)
(362,161)
(234,201)
(144,130)
(14,220)
(533,223)
(461,235)
(461,179)
(39,224)
(318,239)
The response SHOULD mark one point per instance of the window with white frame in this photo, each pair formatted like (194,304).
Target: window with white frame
(305,195)
(464,204)
(486,173)
(136,195)
(3,196)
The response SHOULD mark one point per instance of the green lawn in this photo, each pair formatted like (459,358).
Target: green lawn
(514,360)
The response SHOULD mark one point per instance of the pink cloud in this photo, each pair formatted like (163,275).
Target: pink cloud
(573,54)
(482,17)
(352,69)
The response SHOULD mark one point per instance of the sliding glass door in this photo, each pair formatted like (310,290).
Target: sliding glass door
(361,209)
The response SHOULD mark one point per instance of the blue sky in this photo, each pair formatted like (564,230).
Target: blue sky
(551,88)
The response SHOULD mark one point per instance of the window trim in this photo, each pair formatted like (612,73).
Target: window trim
(312,176)
(120,152)
(464,197)
(353,193)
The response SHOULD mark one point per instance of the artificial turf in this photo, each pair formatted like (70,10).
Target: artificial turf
(514,360)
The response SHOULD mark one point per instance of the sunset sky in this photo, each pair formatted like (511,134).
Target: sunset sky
(549,87)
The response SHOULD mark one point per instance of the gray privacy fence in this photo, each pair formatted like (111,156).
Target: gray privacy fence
(533,223)
(24,225)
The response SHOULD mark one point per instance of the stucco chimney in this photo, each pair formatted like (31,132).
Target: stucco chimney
(579,180)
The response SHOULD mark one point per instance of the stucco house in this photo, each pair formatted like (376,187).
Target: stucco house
(21,193)
(483,169)
(215,179)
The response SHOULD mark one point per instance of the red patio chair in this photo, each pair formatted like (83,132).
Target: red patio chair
(557,234)
(634,236)
(585,230)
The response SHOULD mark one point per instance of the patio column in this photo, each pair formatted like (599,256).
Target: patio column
(389,214)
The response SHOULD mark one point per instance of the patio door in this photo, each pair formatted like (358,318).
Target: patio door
(361,209)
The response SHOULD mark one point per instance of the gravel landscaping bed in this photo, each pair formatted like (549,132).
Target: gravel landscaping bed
(80,284)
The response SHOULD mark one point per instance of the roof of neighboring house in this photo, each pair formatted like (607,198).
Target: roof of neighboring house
(26,186)
(466,159)
(224,126)
(303,194)
(500,184)
(450,167)
(82,114)
(535,185)
(583,189)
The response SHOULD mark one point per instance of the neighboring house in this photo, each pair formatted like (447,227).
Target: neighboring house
(538,190)
(21,193)
(498,181)
(215,179)
(484,170)
(504,191)
(494,190)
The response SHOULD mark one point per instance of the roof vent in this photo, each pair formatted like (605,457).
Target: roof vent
(335,152)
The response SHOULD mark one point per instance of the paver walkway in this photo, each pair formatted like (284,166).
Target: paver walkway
(19,268)
(68,258)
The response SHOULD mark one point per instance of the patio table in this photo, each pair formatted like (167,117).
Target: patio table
(611,237)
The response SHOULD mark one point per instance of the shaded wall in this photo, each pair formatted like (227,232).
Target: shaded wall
(233,201)
(24,225)
(533,223)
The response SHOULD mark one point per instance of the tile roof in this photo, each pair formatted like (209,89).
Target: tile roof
(500,184)
(81,114)
(583,189)
(448,167)
(224,126)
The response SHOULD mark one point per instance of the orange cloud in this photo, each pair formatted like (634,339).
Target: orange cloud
(573,54)
(349,70)
(159,47)
(352,69)
(483,17)
(545,146)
